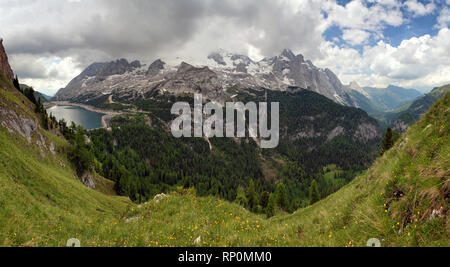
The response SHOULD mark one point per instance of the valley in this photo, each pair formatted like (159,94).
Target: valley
(134,184)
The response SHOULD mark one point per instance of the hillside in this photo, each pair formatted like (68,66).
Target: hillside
(44,98)
(402,200)
(40,193)
(401,119)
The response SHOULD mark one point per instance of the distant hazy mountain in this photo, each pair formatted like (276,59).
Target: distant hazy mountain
(392,97)
(401,120)
(379,100)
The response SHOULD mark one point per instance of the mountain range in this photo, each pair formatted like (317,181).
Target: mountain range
(402,118)
(223,74)
(128,82)
(380,100)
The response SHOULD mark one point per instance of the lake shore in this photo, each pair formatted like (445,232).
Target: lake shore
(106,118)
(87,107)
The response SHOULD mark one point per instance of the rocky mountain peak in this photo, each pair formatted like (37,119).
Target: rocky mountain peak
(155,68)
(189,70)
(218,58)
(236,62)
(287,53)
(5,68)
(184,67)
(119,67)
(136,64)
(355,86)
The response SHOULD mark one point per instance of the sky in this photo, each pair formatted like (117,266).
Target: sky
(375,43)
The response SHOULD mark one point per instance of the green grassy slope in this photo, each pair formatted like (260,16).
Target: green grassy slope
(394,201)
(41,200)
(42,203)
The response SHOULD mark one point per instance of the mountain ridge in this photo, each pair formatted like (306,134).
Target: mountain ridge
(401,120)
(286,71)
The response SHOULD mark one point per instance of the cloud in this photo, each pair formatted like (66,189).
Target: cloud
(357,15)
(443,20)
(45,73)
(355,36)
(418,62)
(72,34)
(419,9)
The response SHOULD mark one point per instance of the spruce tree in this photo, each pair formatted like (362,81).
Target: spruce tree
(264,200)
(388,142)
(281,194)
(252,196)
(241,199)
(38,107)
(16,83)
(314,194)
(271,205)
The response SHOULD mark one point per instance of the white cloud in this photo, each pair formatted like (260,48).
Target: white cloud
(417,62)
(361,22)
(419,9)
(56,39)
(355,36)
(45,74)
(443,20)
(357,15)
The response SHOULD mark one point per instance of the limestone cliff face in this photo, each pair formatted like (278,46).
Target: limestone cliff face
(5,68)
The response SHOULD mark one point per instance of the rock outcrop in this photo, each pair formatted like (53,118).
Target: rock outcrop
(95,79)
(5,68)
(155,68)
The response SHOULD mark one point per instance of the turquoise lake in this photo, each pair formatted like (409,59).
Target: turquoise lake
(88,119)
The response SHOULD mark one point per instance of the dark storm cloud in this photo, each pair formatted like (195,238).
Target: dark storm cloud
(115,27)
(94,30)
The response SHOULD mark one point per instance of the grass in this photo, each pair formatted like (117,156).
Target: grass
(401,201)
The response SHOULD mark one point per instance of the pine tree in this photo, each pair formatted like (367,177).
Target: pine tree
(241,199)
(271,205)
(38,107)
(16,83)
(252,196)
(264,200)
(388,141)
(281,194)
(314,194)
